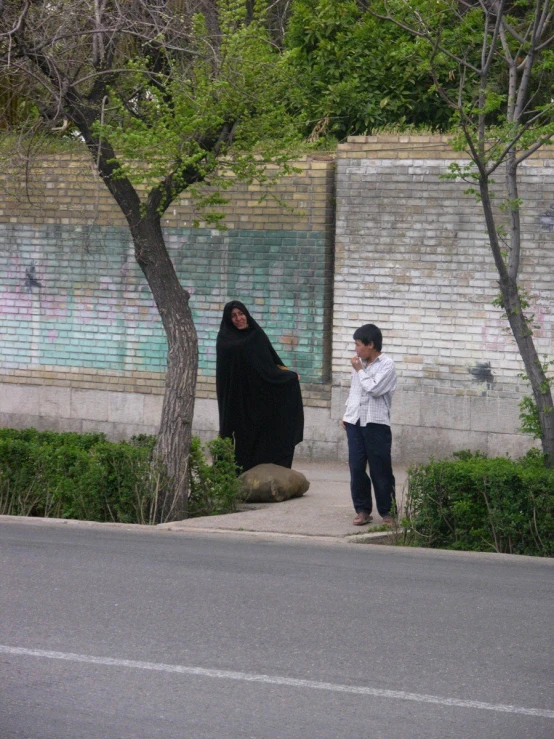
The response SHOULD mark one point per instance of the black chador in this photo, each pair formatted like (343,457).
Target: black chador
(260,403)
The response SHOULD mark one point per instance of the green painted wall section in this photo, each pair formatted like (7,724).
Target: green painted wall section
(75,297)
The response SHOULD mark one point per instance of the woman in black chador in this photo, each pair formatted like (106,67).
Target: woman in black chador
(260,404)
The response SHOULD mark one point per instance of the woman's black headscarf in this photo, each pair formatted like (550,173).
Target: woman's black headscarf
(260,404)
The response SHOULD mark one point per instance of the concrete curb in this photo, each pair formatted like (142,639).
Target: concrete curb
(362,538)
(177,528)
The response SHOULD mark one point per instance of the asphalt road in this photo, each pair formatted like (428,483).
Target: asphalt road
(110,634)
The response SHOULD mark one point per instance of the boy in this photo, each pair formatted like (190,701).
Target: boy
(367,425)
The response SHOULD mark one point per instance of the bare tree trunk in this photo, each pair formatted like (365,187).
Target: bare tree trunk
(519,324)
(172,300)
(533,366)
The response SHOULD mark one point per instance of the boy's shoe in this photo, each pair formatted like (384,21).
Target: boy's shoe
(362,518)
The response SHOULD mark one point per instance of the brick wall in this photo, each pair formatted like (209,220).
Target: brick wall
(77,312)
(412,256)
(82,347)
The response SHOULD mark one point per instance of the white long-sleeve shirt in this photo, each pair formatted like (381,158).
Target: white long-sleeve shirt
(371,391)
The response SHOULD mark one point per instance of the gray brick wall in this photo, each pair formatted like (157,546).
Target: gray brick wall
(412,256)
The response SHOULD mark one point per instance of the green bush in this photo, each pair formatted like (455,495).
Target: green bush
(482,504)
(352,74)
(214,488)
(67,475)
(87,477)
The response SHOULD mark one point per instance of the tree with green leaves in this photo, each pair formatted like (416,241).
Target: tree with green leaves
(165,95)
(501,56)
(353,74)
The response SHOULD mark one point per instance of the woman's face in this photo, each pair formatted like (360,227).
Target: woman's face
(238,318)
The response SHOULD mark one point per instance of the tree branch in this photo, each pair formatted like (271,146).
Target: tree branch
(512,143)
(497,26)
(19,23)
(532,149)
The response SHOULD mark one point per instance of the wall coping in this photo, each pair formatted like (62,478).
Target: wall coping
(403,146)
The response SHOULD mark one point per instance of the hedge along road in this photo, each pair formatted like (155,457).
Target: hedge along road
(112,633)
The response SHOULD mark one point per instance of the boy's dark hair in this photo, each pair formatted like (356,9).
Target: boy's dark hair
(369,332)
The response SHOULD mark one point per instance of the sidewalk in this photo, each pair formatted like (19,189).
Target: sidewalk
(325,510)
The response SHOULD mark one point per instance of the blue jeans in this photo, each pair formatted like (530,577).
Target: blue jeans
(370,444)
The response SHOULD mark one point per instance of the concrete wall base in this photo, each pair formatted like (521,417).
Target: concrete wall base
(424,424)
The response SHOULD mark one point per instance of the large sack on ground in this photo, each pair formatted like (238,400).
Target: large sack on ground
(270,483)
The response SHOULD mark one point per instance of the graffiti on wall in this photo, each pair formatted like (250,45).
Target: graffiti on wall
(68,304)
